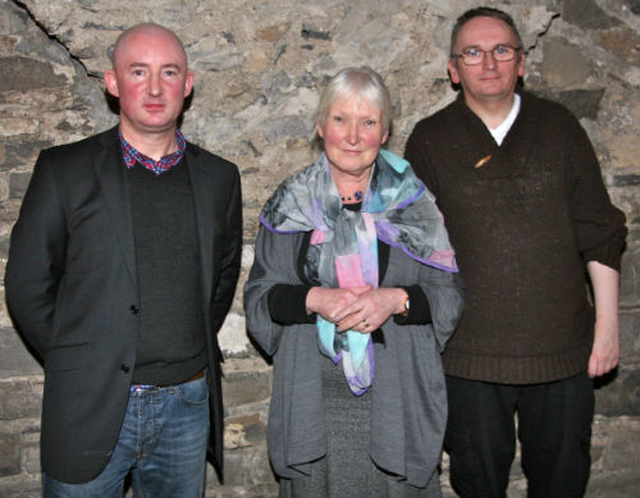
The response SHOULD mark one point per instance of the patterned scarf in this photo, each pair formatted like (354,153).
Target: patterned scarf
(397,209)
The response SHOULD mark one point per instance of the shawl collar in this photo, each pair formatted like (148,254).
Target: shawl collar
(502,164)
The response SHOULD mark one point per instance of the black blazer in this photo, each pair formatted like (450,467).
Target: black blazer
(71,287)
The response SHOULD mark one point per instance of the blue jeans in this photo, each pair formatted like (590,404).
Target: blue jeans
(162,443)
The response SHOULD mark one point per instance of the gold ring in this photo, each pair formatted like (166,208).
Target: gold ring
(365,324)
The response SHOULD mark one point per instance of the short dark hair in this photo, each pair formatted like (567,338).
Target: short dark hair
(482,12)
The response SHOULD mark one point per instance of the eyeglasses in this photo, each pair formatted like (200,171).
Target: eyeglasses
(501,53)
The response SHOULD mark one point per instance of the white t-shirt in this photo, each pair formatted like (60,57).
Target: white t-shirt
(501,131)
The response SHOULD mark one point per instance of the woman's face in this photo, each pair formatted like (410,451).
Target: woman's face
(353,133)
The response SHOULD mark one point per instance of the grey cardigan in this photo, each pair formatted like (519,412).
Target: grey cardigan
(409,403)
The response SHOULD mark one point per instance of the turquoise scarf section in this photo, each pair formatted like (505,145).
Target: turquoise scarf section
(397,209)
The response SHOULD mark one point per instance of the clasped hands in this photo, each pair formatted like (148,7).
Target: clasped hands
(363,309)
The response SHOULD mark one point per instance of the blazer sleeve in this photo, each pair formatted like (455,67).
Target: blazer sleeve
(232,255)
(37,257)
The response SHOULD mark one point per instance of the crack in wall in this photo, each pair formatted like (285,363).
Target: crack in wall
(542,33)
(55,39)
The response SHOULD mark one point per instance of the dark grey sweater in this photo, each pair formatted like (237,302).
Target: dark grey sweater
(171,344)
(523,226)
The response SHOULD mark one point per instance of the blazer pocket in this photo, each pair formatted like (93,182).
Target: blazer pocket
(68,357)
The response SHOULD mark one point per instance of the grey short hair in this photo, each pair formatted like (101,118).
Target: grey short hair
(483,12)
(361,82)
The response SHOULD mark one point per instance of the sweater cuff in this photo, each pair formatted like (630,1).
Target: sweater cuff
(287,304)
(609,255)
(419,309)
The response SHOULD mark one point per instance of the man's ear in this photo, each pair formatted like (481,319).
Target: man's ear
(453,72)
(111,82)
(188,84)
(521,66)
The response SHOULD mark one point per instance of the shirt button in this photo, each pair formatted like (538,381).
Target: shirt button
(124,368)
(134,309)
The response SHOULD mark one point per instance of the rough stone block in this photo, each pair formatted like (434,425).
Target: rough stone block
(22,74)
(4,248)
(247,467)
(20,400)
(18,126)
(564,64)
(285,127)
(18,183)
(21,486)
(233,336)
(630,272)
(582,103)
(587,14)
(246,387)
(613,485)
(244,430)
(621,395)
(31,459)
(629,337)
(22,152)
(15,358)
(9,454)
(630,180)
(615,458)
(622,42)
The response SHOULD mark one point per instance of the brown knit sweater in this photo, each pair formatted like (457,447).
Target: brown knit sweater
(523,224)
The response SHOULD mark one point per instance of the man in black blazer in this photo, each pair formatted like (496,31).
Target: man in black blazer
(122,266)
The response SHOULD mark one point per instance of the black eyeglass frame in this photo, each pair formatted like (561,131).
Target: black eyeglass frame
(462,55)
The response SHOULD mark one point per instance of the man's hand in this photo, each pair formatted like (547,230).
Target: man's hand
(605,353)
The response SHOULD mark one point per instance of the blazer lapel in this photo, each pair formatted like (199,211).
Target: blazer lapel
(203,191)
(109,166)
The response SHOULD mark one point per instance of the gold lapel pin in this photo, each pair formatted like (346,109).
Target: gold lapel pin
(482,161)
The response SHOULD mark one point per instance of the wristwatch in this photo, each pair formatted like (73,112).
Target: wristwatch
(405,305)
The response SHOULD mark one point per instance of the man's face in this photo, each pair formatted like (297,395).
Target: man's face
(489,81)
(151,80)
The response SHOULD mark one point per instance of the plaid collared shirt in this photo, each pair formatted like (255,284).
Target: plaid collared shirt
(133,156)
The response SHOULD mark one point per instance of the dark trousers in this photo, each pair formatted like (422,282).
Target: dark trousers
(554,430)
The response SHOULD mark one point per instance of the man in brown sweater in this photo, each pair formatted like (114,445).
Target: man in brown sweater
(521,191)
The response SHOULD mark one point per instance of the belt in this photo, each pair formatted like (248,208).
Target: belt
(197,376)
(153,387)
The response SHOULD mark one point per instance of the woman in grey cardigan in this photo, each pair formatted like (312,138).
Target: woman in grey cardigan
(354,292)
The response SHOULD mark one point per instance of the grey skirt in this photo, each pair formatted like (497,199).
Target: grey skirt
(347,469)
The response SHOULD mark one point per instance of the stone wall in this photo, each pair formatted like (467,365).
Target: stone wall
(259,66)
